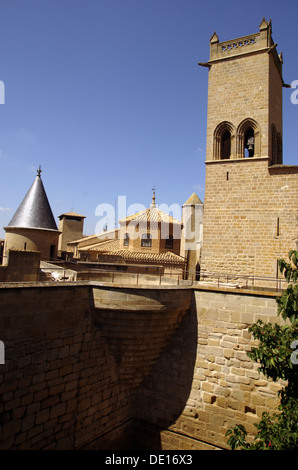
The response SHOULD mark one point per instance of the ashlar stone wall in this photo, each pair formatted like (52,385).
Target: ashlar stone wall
(74,355)
(59,388)
(97,366)
(250,216)
(204,382)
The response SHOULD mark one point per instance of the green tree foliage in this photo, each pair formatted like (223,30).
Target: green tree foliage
(277,354)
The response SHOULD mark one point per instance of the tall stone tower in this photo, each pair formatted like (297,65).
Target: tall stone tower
(71,226)
(191,236)
(250,205)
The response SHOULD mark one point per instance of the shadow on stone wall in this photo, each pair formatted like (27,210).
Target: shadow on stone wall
(152,336)
(136,325)
(163,395)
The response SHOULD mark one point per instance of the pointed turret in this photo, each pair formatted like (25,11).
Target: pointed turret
(192,234)
(35,210)
(33,227)
(193,200)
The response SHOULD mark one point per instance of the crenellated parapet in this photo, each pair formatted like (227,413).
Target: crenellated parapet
(253,43)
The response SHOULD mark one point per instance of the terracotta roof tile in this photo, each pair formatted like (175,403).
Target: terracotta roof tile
(110,233)
(107,245)
(165,258)
(112,247)
(151,215)
(72,214)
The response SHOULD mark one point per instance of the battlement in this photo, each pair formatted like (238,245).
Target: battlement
(253,43)
(225,49)
(243,45)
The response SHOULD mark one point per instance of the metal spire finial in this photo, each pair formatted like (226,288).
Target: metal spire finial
(39,171)
(153,198)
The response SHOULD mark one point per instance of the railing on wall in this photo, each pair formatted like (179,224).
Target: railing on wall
(58,273)
(243,281)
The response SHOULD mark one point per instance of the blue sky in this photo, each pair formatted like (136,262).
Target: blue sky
(107,96)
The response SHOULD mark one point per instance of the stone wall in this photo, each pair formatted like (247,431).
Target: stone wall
(250,204)
(31,239)
(71,229)
(238,89)
(59,388)
(244,82)
(204,381)
(159,232)
(132,279)
(74,354)
(95,366)
(20,266)
(250,216)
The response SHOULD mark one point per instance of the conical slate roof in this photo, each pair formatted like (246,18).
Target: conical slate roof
(35,210)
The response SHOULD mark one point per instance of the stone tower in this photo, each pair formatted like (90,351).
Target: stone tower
(250,204)
(245,98)
(192,235)
(33,227)
(71,226)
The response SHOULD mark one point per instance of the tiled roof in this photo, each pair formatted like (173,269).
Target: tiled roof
(107,245)
(72,214)
(108,234)
(164,258)
(151,215)
(112,247)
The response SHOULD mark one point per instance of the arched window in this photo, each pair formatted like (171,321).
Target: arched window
(225,150)
(248,139)
(146,240)
(249,143)
(126,239)
(224,141)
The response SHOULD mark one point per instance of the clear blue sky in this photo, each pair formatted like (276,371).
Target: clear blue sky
(107,96)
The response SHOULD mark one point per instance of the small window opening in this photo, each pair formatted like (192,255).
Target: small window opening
(225,145)
(25,246)
(249,143)
(277,227)
(126,240)
(52,251)
(146,240)
(169,242)
(279,148)
(274,148)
